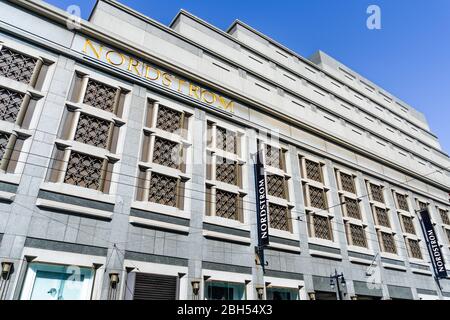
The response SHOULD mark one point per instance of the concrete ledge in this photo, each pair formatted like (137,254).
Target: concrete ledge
(154,258)
(50,204)
(394,267)
(7,196)
(284,247)
(226,237)
(158,224)
(327,255)
(65,246)
(284,274)
(421,271)
(226,267)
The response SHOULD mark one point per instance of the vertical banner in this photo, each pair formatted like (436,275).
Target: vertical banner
(261,203)
(433,246)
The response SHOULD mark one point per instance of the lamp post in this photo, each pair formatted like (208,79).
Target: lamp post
(334,280)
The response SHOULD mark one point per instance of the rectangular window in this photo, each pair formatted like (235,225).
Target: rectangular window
(377,192)
(414,249)
(444,216)
(447,232)
(169,119)
(313,171)
(279,217)
(388,242)
(218,290)
(57,282)
(226,140)
(277,186)
(93,131)
(154,287)
(16,66)
(166,153)
(227,171)
(84,171)
(357,235)
(322,227)
(381,217)
(227,204)
(163,190)
(402,201)
(101,96)
(10,103)
(352,208)
(281,294)
(274,157)
(408,225)
(317,198)
(347,183)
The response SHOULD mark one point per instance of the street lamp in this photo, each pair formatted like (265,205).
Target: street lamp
(337,280)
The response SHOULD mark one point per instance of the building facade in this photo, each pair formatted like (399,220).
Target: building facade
(127,165)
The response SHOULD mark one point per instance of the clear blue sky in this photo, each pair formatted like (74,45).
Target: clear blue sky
(409,56)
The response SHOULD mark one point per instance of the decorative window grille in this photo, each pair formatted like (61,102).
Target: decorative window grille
(388,241)
(279,217)
(377,192)
(16,66)
(313,170)
(4,138)
(274,157)
(166,153)
(444,216)
(226,140)
(422,205)
(276,186)
(10,102)
(347,183)
(322,227)
(227,204)
(317,198)
(358,235)
(408,224)
(352,208)
(100,95)
(414,249)
(447,231)
(93,131)
(163,189)
(169,120)
(226,171)
(382,217)
(84,171)
(402,202)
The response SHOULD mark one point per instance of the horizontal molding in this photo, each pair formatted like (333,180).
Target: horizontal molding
(392,261)
(156,224)
(427,291)
(74,209)
(367,288)
(275,246)
(226,237)
(156,216)
(226,267)
(228,230)
(65,246)
(317,247)
(284,274)
(8,187)
(285,241)
(400,292)
(7,196)
(154,258)
(74,200)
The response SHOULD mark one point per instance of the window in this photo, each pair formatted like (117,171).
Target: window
(414,249)
(224,194)
(273,293)
(347,182)
(352,208)
(376,192)
(16,66)
(317,198)
(313,171)
(274,157)
(381,217)
(92,118)
(279,217)
(166,153)
(164,190)
(447,232)
(154,286)
(321,227)
(423,205)
(57,282)
(408,225)
(277,186)
(169,119)
(10,102)
(402,202)
(444,216)
(387,242)
(357,235)
(217,290)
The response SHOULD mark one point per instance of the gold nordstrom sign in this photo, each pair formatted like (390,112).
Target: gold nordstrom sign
(154,74)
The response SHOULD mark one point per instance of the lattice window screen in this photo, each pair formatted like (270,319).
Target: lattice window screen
(313,170)
(227,204)
(377,192)
(382,217)
(163,189)
(4,138)
(402,201)
(444,216)
(388,242)
(84,171)
(408,224)
(93,131)
(347,182)
(168,119)
(274,157)
(414,247)
(166,153)
(322,227)
(16,66)
(352,208)
(10,102)
(226,140)
(317,198)
(100,95)
(276,186)
(226,171)
(279,217)
(358,235)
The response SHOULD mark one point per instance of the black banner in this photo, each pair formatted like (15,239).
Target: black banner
(433,246)
(261,203)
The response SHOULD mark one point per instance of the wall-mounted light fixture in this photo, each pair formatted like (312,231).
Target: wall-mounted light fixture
(312,295)
(6,269)
(113,280)
(195,287)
